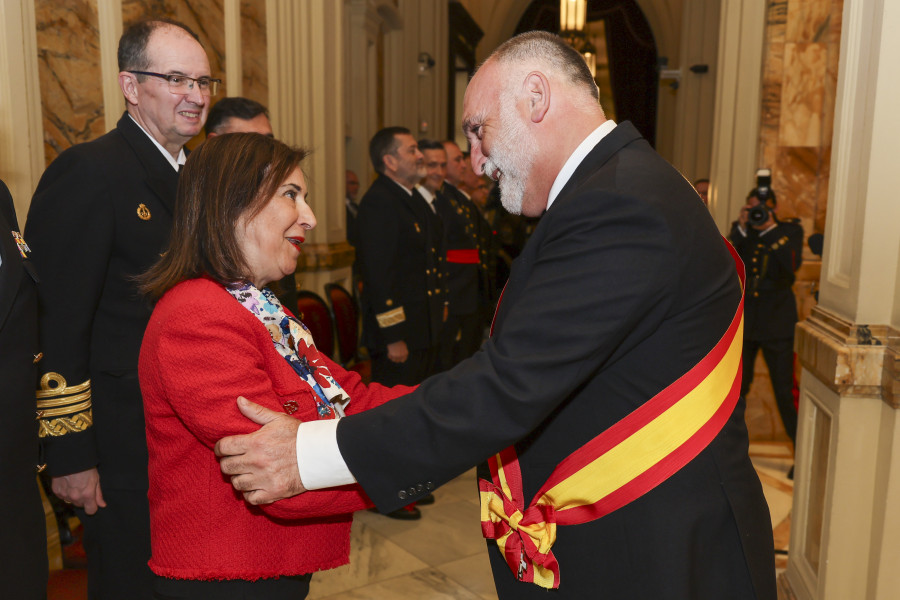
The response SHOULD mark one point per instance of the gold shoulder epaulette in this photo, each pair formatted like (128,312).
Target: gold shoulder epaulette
(63,409)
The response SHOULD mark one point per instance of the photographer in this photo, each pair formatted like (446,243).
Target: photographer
(771,250)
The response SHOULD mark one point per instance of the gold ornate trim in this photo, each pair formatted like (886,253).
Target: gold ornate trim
(391,317)
(66,425)
(53,402)
(66,410)
(61,387)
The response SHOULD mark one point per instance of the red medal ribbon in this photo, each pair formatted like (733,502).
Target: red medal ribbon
(465,257)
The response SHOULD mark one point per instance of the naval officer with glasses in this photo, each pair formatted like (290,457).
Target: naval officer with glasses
(101,215)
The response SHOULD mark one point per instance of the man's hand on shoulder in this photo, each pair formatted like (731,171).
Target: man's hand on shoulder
(263,464)
(81,489)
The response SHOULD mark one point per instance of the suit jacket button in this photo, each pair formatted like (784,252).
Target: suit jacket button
(420,488)
(429,486)
(402,494)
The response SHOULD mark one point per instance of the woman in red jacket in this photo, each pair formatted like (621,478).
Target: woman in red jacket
(218,333)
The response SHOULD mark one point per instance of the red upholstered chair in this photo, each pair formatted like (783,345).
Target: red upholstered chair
(346,321)
(315,314)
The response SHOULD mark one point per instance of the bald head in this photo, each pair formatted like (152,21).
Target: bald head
(526,110)
(550,52)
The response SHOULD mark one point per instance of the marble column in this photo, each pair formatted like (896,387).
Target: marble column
(305,60)
(365,24)
(416,97)
(847,478)
(21,145)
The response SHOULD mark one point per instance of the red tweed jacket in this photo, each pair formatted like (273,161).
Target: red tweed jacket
(201,350)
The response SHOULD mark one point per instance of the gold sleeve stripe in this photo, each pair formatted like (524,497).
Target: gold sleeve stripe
(64,400)
(391,317)
(66,410)
(61,388)
(66,425)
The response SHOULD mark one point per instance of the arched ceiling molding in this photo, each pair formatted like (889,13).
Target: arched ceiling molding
(664,17)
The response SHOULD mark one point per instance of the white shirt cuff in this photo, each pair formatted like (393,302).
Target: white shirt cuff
(318,457)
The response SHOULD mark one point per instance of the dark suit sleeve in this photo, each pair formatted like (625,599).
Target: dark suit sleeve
(597,274)
(71,231)
(378,234)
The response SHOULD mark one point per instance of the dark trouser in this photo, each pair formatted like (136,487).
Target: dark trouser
(779,357)
(283,588)
(117,544)
(419,365)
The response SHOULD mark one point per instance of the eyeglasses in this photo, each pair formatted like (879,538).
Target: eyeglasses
(182,84)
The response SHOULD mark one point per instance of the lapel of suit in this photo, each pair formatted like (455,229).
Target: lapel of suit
(161,178)
(10,268)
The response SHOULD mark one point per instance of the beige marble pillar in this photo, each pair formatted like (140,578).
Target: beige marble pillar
(737,107)
(844,541)
(366,21)
(21,140)
(305,60)
(691,124)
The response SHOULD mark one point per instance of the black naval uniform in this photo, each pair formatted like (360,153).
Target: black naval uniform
(23,553)
(461,335)
(770,309)
(404,287)
(101,214)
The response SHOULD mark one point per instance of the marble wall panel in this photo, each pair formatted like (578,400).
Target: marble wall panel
(799,82)
(795,183)
(823,175)
(254,60)
(808,21)
(69,72)
(776,19)
(770,114)
(803,94)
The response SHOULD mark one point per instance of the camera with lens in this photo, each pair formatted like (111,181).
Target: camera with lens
(759,214)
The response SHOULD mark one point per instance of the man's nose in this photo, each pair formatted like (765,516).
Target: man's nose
(478,159)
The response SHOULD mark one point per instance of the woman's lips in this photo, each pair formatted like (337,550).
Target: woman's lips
(296,241)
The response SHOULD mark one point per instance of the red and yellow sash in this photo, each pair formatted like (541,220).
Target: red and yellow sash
(621,464)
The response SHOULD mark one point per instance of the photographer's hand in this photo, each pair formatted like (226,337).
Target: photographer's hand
(742,218)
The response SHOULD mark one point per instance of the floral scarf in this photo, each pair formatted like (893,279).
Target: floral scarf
(294,342)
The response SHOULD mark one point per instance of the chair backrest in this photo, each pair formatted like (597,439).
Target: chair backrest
(346,321)
(312,310)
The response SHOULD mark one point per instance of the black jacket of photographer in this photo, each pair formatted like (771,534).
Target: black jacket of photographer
(771,256)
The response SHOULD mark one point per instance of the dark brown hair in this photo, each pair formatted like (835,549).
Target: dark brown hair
(226,178)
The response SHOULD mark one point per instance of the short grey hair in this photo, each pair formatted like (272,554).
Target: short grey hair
(553,50)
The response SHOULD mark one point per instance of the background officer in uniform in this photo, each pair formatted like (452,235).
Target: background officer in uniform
(23,554)
(772,251)
(401,264)
(461,335)
(100,216)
